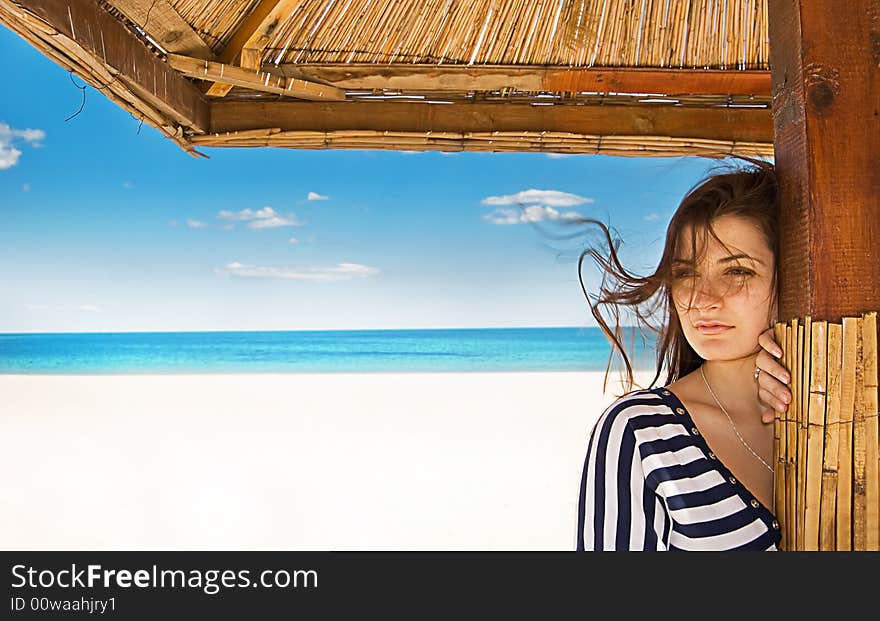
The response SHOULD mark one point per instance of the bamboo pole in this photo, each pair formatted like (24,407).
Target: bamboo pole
(872,467)
(615,22)
(859,454)
(815,419)
(804,333)
(792,437)
(844,460)
(701,36)
(828,510)
(714,52)
(779,447)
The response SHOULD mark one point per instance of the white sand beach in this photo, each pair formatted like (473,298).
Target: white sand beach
(422,461)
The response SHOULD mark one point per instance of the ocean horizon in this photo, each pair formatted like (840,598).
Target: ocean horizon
(320,351)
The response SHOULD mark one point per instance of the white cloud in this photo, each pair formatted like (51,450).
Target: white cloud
(532,213)
(314,196)
(128,185)
(271,223)
(26,187)
(260,219)
(652,216)
(33,136)
(293,241)
(195,224)
(247,214)
(89,307)
(36,306)
(172,222)
(9,155)
(556,156)
(533,206)
(342,271)
(552,198)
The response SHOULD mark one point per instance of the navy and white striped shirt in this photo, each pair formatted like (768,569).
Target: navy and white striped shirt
(650,482)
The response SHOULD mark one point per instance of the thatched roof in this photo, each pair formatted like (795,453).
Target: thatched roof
(619,77)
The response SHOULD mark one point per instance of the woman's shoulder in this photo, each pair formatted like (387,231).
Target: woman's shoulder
(644,406)
(644,398)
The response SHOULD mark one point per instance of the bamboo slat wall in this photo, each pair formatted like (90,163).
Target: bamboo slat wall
(827,484)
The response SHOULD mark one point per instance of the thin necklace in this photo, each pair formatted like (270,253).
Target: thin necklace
(744,443)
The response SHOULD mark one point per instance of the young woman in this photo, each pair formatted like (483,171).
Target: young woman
(688,466)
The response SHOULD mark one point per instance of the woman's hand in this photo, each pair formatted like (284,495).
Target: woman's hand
(773,392)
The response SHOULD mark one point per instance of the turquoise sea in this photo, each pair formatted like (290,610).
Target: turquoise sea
(317,351)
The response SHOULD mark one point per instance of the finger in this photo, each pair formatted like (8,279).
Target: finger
(773,387)
(768,413)
(771,400)
(767,341)
(772,369)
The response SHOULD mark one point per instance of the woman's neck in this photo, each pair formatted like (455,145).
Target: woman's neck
(733,382)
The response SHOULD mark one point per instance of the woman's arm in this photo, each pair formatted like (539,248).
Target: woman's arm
(617,509)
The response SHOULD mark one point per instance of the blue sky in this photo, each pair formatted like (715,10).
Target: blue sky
(109,226)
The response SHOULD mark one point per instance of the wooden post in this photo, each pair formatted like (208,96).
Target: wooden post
(825,75)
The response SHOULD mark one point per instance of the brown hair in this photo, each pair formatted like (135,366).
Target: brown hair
(749,191)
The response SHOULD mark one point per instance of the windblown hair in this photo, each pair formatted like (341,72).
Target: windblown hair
(748,191)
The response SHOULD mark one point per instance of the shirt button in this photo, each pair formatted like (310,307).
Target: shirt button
(695,431)
(711,455)
(666,392)
(679,410)
(732,481)
(754,503)
(775,525)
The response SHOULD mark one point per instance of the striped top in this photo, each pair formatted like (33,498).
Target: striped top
(650,482)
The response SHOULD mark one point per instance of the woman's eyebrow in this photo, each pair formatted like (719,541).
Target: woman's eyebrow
(732,257)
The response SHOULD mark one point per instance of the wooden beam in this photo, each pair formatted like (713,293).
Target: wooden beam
(248,41)
(739,124)
(255,80)
(530,78)
(101,36)
(252,50)
(165,26)
(825,59)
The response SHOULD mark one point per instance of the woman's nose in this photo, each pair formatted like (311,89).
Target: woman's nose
(706,294)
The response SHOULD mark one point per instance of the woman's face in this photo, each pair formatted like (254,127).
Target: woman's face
(728,288)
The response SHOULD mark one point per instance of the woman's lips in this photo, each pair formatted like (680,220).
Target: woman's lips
(713,329)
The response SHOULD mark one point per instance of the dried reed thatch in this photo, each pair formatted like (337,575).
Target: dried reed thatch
(462,53)
(723,34)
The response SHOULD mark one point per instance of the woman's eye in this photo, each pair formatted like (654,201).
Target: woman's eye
(736,271)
